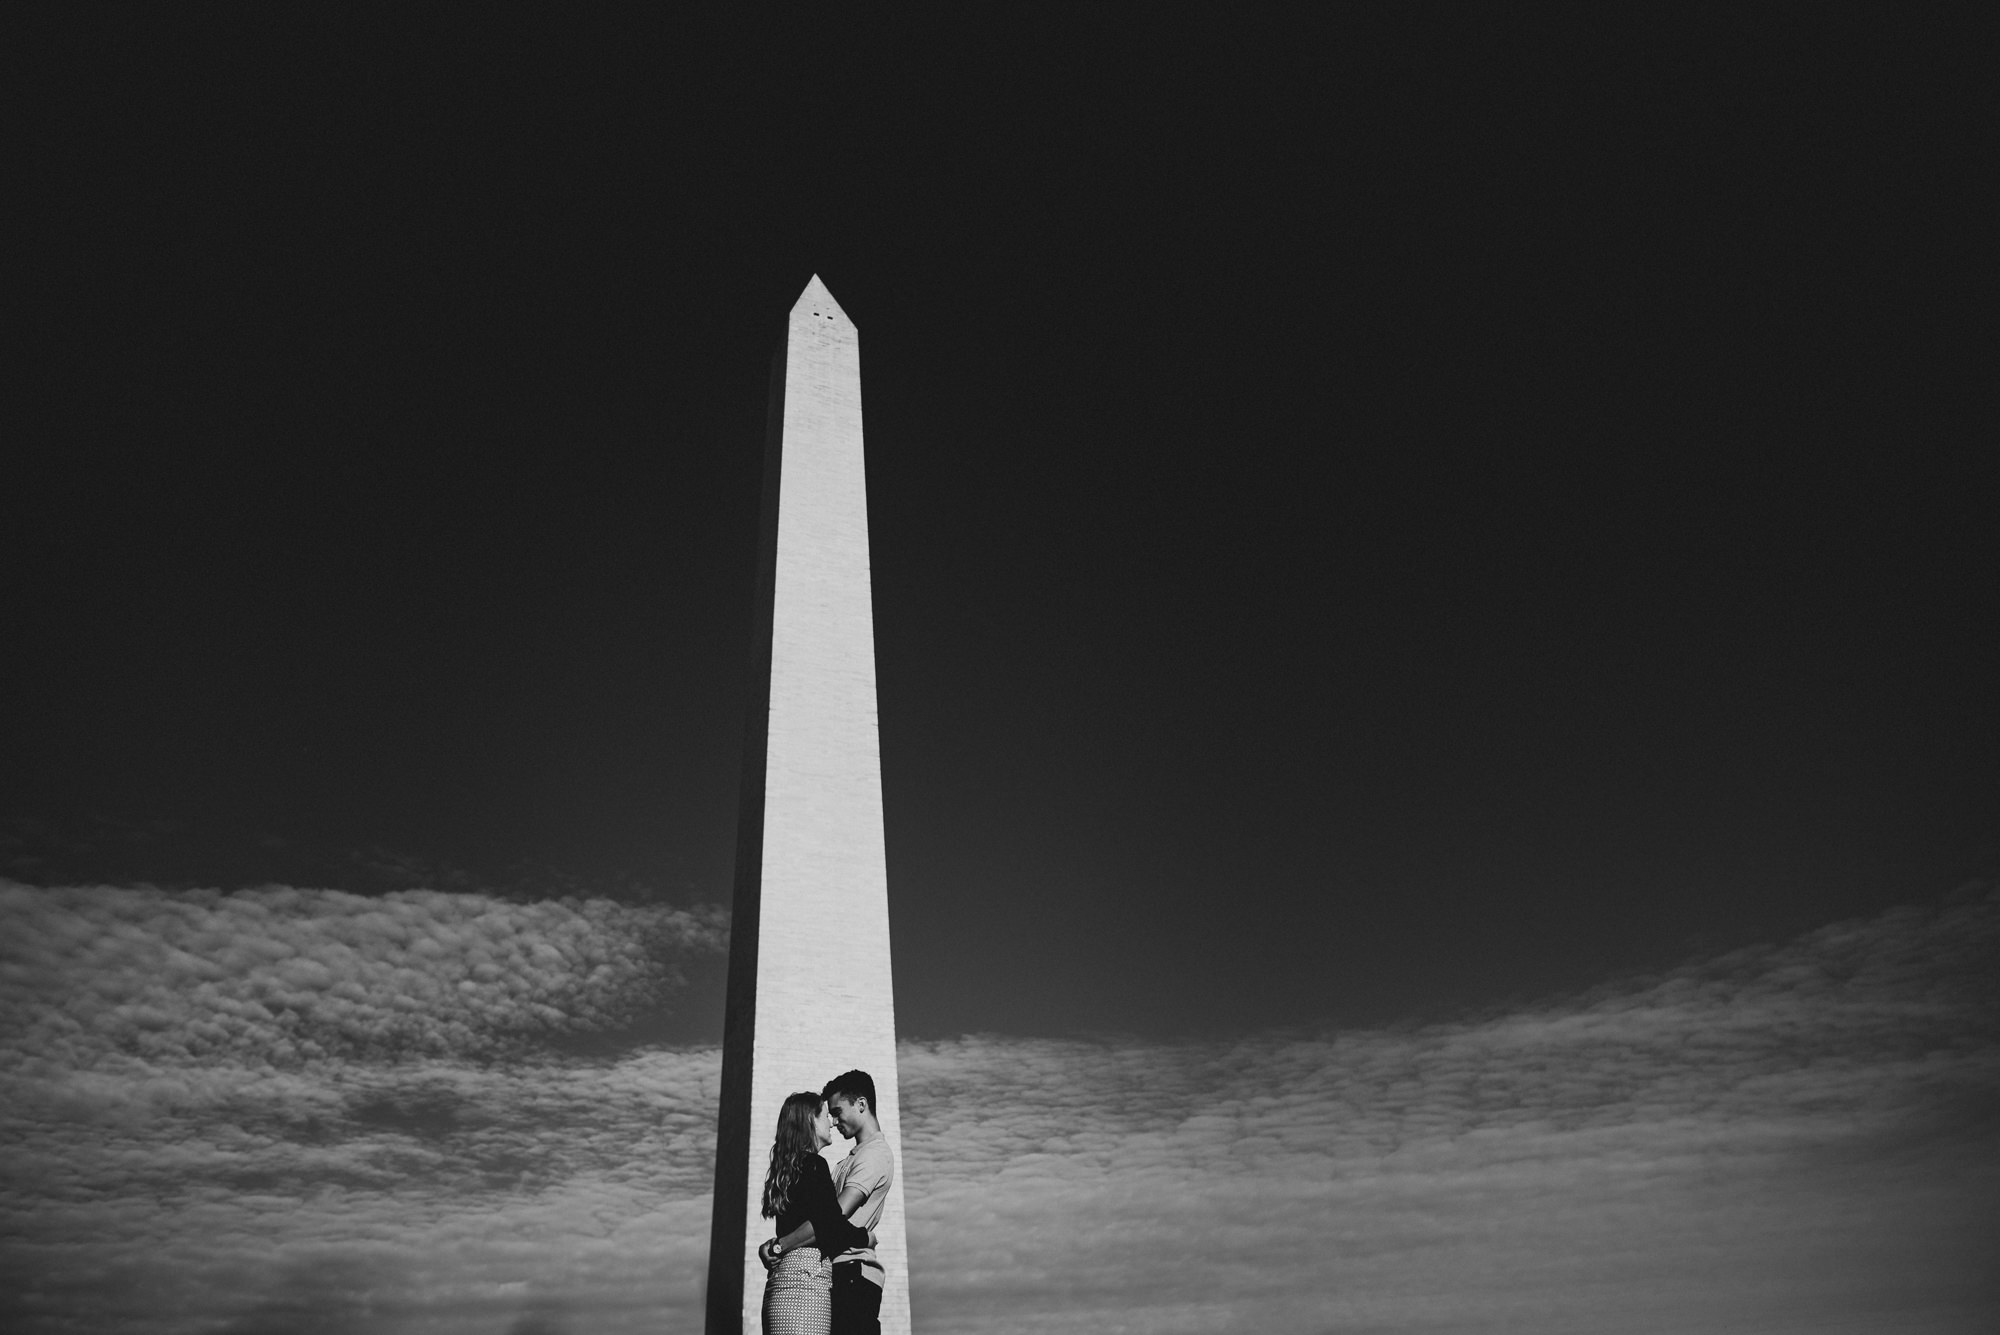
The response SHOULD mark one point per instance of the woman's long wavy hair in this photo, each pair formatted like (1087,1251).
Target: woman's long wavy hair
(795,1144)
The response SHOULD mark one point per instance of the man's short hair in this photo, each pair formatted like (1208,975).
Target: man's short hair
(852,1085)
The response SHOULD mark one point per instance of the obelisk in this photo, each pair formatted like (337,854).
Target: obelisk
(809,992)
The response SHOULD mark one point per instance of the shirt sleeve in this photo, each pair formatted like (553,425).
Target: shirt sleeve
(832,1234)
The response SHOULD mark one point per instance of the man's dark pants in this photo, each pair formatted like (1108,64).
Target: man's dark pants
(857,1303)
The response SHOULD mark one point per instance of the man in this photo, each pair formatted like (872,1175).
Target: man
(862,1179)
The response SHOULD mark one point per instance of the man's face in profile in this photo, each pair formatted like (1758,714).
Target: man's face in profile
(846,1114)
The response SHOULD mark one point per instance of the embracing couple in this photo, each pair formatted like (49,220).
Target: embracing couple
(824,1276)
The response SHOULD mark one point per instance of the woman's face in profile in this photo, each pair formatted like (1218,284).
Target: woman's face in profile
(823,1127)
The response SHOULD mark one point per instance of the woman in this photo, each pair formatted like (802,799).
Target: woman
(798,1294)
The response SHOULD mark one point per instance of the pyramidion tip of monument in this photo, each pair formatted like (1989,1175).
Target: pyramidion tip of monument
(817,301)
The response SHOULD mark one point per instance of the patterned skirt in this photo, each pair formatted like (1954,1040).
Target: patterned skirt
(798,1294)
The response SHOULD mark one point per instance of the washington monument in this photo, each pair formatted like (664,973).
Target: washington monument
(809,992)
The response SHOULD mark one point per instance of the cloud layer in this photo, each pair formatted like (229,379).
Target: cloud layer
(204,1127)
(1772,1140)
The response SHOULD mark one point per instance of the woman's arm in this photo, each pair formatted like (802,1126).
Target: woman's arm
(793,1240)
(851,1199)
(825,1226)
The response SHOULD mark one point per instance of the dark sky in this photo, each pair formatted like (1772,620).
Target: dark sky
(1368,520)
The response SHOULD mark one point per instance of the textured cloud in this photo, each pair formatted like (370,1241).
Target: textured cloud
(286,1104)
(283,975)
(1803,1137)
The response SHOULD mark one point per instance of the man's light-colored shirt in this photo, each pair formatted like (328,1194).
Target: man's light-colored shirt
(871,1168)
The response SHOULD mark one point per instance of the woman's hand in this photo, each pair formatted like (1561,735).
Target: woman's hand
(768,1253)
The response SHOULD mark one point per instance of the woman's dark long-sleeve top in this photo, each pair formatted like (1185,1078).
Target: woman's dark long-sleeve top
(812,1198)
